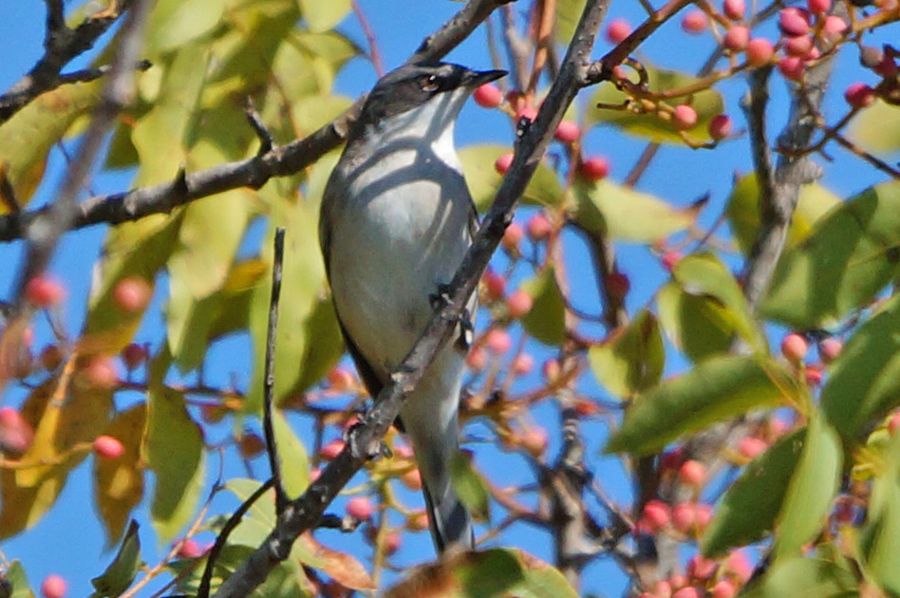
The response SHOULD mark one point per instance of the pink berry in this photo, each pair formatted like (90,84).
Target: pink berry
(684,516)
(793,21)
(657,515)
(538,227)
(670,258)
(401,451)
(739,564)
(360,507)
(503,163)
(794,347)
(512,236)
(529,113)
(551,370)
(736,38)
(332,449)
(829,349)
(694,22)
(498,341)
(759,51)
(416,522)
(488,96)
(108,447)
(16,435)
(132,294)
(54,586)
(703,514)
(494,284)
(595,168)
(44,291)
(701,568)
(687,592)
(818,7)
(684,117)
(518,304)
(798,46)
(692,473)
(751,447)
(859,95)
(412,479)
(522,364)
(567,132)
(190,549)
(834,25)
(101,372)
(677,581)
(476,359)
(734,9)
(894,423)
(340,379)
(791,67)
(813,375)
(724,589)
(392,543)
(720,127)
(662,589)
(617,30)
(534,440)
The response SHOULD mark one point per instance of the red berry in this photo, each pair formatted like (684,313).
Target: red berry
(677,581)
(687,592)
(662,589)
(538,227)
(894,423)
(392,542)
(818,7)
(518,304)
(813,375)
(829,349)
(534,440)
(16,434)
(617,285)
(44,291)
(701,568)
(684,117)
(498,341)
(657,515)
(670,259)
(739,564)
(190,549)
(794,347)
(694,22)
(791,67)
(595,168)
(684,516)
(751,447)
(887,67)
(859,95)
(522,364)
(720,127)
(734,9)
(332,449)
(494,284)
(759,51)
(567,132)
(736,38)
(476,359)
(512,236)
(488,96)
(107,447)
(617,30)
(101,372)
(692,473)
(724,589)
(132,294)
(798,46)
(793,21)
(834,25)
(360,507)
(54,586)
(704,515)
(251,445)
(503,163)
(133,356)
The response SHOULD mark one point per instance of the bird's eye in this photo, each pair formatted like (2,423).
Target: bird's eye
(429,82)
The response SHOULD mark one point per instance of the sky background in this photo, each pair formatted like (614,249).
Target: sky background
(67,539)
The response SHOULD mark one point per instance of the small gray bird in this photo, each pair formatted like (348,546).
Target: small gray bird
(395,223)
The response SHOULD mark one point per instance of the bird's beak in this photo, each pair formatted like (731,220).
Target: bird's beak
(477,78)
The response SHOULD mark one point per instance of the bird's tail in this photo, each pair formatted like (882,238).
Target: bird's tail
(448,518)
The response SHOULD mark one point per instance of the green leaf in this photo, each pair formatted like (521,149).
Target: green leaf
(260,519)
(880,535)
(124,568)
(119,483)
(632,359)
(175,453)
(750,506)
(625,214)
(321,16)
(812,488)
(707,103)
(174,23)
(812,578)
(27,137)
(851,254)
(568,13)
(743,211)
(15,575)
(864,382)
(470,487)
(547,319)
(478,165)
(494,573)
(877,128)
(717,389)
(291,455)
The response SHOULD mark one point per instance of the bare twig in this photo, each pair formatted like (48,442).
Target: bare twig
(281,498)
(374,54)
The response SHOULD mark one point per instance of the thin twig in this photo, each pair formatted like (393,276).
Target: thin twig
(374,54)
(281,498)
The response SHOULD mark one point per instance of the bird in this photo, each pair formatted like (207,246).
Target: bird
(395,222)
